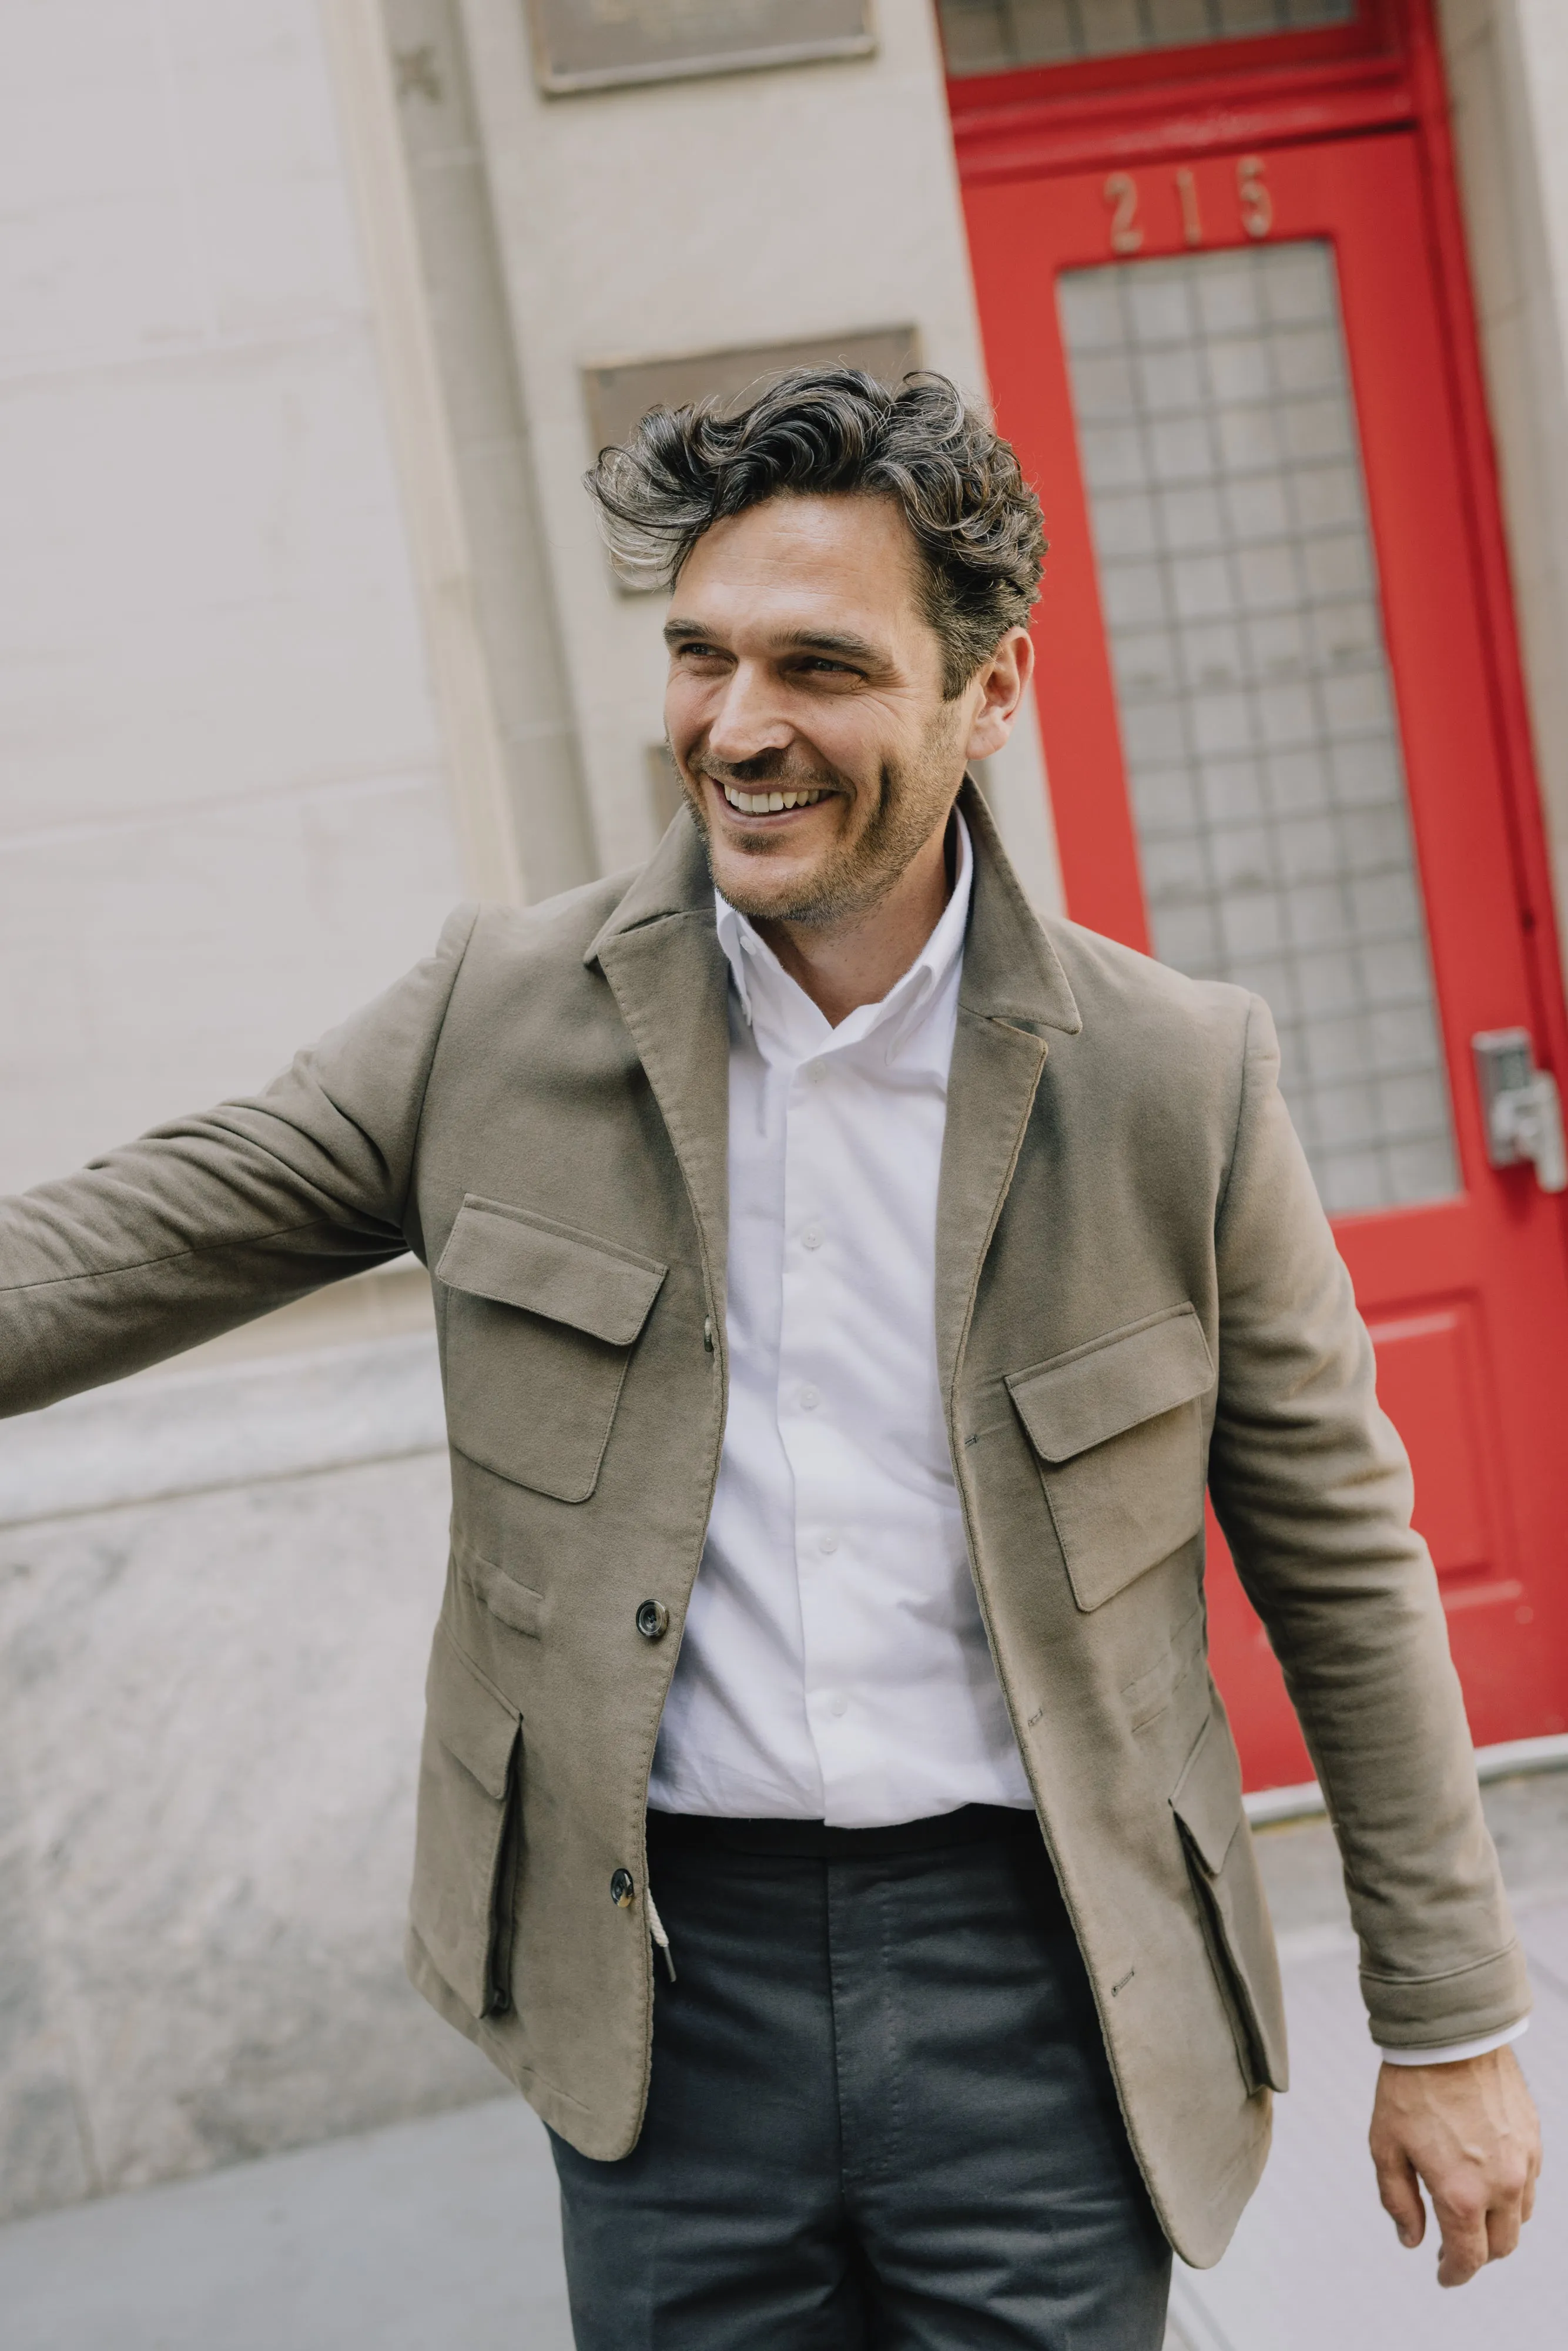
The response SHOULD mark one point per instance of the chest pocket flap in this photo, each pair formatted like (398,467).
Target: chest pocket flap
(521,1260)
(539,1330)
(1118,1430)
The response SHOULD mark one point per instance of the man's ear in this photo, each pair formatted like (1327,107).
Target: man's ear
(1000,689)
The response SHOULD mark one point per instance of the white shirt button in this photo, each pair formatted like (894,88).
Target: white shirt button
(810,1399)
(811,1237)
(815,1072)
(827,1542)
(837,1702)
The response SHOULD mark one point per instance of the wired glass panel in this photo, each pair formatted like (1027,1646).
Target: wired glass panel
(1220,455)
(983,36)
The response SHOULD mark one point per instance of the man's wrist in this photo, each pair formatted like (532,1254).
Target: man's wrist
(1452,2053)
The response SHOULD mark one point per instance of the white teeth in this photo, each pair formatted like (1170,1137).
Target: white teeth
(769,803)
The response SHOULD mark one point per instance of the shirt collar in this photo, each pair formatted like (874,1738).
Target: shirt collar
(763,987)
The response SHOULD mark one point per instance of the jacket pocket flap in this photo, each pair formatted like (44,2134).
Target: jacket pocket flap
(1084,1398)
(516,1605)
(1206,1799)
(471,1719)
(521,1259)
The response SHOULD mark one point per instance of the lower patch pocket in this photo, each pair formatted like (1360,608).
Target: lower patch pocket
(1234,1911)
(465,1843)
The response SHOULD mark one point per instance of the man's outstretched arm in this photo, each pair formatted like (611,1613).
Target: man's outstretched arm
(1313,1490)
(212,1220)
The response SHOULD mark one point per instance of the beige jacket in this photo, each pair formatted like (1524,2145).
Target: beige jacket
(1135,1288)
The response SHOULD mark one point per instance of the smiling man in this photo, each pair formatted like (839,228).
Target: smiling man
(847,1288)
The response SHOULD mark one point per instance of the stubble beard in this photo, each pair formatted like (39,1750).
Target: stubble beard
(859,873)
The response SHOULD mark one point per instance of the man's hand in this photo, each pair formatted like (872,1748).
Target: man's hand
(1469,2130)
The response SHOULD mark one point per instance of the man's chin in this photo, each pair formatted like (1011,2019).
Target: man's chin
(767,889)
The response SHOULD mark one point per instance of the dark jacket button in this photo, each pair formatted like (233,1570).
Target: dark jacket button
(622,1887)
(652,1620)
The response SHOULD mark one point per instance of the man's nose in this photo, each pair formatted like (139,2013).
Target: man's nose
(749,719)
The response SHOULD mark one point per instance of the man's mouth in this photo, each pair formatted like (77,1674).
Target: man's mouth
(769,803)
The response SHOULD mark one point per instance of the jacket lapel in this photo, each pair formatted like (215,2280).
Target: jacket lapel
(1012,986)
(661,955)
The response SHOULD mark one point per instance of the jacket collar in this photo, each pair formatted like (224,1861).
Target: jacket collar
(660,954)
(674,881)
(1011,968)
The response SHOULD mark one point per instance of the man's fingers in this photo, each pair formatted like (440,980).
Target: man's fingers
(1503,2224)
(1462,2218)
(1401,2195)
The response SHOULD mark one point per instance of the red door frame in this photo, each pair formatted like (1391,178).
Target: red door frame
(1379,74)
(1382,74)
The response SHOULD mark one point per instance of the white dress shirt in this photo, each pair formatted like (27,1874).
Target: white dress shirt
(834,1665)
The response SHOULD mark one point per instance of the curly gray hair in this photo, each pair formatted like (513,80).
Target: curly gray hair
(835,430)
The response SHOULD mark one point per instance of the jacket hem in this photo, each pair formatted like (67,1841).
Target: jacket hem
(556,2108)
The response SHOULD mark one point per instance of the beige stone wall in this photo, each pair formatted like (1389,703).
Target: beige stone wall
(227,816)
(224,815)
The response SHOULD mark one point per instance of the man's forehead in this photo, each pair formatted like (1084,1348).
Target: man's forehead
(803,569)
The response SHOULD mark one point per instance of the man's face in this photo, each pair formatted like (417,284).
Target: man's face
(804,706)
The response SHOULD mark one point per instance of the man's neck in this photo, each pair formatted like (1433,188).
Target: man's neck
(841,966)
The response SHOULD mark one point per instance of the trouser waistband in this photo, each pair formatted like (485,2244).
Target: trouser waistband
(816,1841)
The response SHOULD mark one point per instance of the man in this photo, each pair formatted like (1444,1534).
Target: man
(803,1210)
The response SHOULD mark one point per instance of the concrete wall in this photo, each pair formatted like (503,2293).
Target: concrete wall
(224,816)
(227,816)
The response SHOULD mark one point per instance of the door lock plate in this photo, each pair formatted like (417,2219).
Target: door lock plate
(1520,1107)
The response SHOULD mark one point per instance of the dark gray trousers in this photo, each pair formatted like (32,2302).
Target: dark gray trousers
(881,2116)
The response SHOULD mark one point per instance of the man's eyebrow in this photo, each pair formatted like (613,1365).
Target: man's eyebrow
(815,641)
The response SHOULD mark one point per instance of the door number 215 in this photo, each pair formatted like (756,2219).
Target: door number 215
(1255,205)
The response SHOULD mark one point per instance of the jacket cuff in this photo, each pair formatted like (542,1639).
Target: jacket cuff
(1439,2011)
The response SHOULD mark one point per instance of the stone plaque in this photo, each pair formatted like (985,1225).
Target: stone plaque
(617,396)
(594,43)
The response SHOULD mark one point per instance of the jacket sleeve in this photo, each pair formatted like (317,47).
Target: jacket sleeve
(1312,1487)
(212,1220)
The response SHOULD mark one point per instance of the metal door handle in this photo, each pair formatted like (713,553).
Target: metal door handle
(1523,1111)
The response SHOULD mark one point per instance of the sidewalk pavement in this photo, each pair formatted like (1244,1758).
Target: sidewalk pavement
(442,2235)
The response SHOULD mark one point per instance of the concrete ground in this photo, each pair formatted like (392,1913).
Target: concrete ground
(443,2232)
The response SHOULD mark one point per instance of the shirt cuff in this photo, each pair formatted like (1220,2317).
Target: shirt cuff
(1452,2051)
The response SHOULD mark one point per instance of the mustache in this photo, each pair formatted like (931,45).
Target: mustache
(772,768)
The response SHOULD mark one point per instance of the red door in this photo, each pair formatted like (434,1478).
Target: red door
(1271,720)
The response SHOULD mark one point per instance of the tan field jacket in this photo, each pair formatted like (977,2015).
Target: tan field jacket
(1136,1291)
